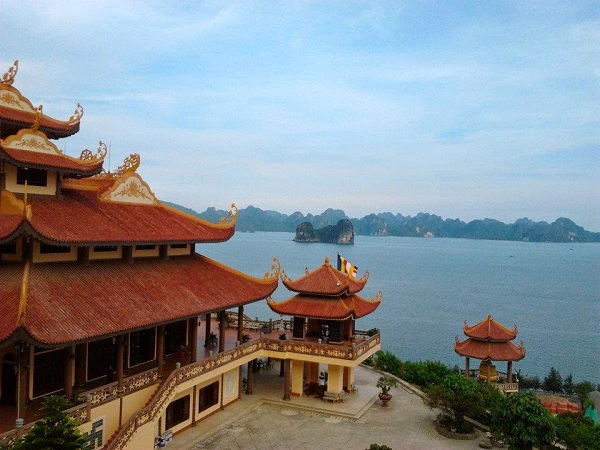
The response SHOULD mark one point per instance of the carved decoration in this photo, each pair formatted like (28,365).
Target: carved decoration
(101,153)
(130,189)
(9,77)
(77,115)
(130,165)
(276,269)
(232,216)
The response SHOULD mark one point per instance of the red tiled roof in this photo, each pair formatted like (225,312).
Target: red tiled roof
(45,160)
(494,351)
(318,307)
(78,217)
(489,329)
(71,302)
(325,280)
(17,119)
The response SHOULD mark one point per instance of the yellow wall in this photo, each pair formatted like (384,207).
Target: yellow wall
(146,253)
(117,254)
(52,257)
(11,183)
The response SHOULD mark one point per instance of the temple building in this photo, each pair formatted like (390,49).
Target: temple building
(324,311)
(490,341)
(105,297)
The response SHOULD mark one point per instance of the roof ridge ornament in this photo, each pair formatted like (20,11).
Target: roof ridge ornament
(276,269)
(9,76)
(130,165)
(77,115)
(88,156)
(232,216)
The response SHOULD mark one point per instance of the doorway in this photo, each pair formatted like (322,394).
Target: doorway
(9,380)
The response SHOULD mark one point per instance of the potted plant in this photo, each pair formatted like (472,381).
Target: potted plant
(385,383)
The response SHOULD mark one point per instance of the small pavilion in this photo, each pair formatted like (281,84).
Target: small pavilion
(324,311)
(489,341)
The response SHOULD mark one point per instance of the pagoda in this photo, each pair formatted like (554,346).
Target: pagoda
(102,290)
(324,311)
(489,341)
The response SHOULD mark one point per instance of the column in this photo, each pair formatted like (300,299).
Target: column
(120,362)
(312,373)
(335,381)
(297,378)
(160,349)
(250,379)
(80,363)
(467,368)
(207,331)
(222,325)
(193,339)
(240,327)
(509,372)
(349,379)
(287,379)
(69,359)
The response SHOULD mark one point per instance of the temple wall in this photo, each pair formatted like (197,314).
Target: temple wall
(11,183)
(132,403)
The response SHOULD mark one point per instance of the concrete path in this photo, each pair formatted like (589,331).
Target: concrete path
(263,421)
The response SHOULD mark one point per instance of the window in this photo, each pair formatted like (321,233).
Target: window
(102,359)
(175,336)
(48,372)
(34,177)
(178,412)
(208,396)
(141,346)
(178,245)
(145,247)
(105,248)
(47,248)
(10,249)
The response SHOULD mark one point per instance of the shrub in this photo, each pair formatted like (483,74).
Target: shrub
(577,432)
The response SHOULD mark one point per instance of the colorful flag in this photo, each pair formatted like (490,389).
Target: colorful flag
(346,266)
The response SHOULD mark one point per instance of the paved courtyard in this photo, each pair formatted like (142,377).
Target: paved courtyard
(263,421)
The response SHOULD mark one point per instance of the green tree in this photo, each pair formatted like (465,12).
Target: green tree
(461,396)
(582,390)
(568,385)
(388,362)
(553,381)
(56,431)
(523,422)
(577,432)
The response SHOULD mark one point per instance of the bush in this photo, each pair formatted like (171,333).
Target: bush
(577,432)
(424,373)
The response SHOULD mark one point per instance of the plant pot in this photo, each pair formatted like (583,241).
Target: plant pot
(385,398)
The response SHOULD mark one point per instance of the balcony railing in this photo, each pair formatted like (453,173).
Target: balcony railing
(168,390)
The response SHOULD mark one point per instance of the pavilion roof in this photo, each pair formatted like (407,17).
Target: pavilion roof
(17,112)
(319,307)
(58,303)
(30,148)
(490,330)
(326,281)
(90,213)
(489,350)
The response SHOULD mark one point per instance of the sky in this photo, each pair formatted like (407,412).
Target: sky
(465,109)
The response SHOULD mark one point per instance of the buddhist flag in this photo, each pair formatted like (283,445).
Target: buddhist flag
(346,266)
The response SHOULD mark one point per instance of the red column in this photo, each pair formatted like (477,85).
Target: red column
(240,328)
(193,338)
(222,324)
(207,331)
(287,381)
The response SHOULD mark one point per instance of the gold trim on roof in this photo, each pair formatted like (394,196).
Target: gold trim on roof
(130,165)
(9,76)
(276,270)
(232,217)
(88,156)
(77,115)
(23,298)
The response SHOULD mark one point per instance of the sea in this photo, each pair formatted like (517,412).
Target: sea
(431,287)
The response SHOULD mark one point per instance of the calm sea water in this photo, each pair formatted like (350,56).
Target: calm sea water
(432,286)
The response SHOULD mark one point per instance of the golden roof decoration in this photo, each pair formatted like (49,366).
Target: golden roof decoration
(232,216)
(130,165)
(88,156)
(276,270)
(9,76)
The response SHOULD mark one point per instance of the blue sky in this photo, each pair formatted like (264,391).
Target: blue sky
(465,109)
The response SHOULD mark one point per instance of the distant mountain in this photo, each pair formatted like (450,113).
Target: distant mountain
(421,225)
